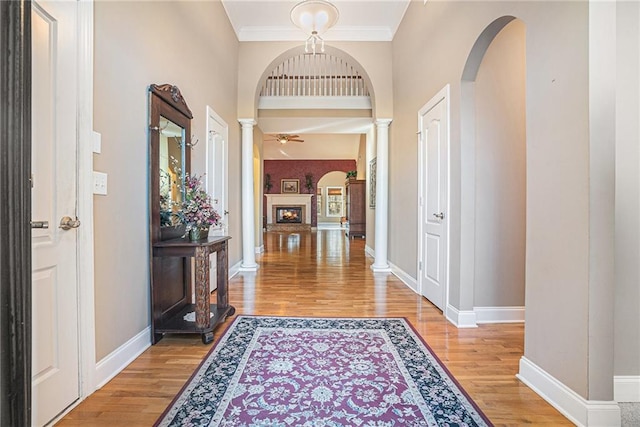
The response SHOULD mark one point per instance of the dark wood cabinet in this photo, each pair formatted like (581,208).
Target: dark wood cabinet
(180,294)
(355,208)
(171,299)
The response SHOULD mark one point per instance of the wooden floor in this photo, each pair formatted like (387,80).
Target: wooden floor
(324,274)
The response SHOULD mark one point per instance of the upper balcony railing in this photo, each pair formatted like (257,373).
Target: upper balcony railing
(308,75)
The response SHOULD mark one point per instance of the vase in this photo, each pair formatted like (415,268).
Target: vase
(197,233)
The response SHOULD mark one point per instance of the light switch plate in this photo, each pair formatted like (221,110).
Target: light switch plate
(99,183)
(97,142)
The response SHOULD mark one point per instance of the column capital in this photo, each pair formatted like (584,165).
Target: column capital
(383,122)
(247,122)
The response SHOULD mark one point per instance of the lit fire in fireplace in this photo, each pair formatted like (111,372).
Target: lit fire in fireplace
(288,215)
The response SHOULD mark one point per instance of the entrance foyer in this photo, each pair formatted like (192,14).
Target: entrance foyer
(327,275)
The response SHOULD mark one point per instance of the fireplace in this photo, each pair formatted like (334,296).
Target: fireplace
(288,214)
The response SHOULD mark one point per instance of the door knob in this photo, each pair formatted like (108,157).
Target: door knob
(67,223)
(440,215)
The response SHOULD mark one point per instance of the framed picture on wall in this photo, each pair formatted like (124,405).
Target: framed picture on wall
(290,186)
(372,183)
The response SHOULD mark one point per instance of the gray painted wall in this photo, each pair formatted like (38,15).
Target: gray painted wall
(501,171)
(627,209)
(430,50)
(191,45)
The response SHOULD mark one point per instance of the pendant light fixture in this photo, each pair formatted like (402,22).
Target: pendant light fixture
(314,17)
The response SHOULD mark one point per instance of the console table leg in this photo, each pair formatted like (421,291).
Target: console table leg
(222,264)
(202,287)
(207,338)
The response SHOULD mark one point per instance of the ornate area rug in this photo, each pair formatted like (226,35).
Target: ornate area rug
(282,371)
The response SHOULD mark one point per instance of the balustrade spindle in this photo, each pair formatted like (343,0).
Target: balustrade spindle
(314,75)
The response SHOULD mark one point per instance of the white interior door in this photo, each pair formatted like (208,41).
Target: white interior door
(55,358)
(217,136)
(434,198)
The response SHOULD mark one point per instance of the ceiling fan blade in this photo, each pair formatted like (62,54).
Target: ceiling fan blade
(296,140)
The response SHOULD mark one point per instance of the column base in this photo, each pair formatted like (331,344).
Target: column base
(381,268)
(249,267)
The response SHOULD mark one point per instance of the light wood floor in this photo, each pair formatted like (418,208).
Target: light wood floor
(324,274)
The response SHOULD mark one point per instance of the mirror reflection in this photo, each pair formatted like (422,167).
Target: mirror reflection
(171,171)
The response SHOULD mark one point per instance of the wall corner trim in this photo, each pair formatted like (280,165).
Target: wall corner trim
(461,318)
(626,388)
(117,360)
(577,409)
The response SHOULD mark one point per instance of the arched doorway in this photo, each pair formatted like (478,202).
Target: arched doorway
(493,140)
(351,112)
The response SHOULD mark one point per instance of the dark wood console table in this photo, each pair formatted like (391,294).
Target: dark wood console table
(171,301)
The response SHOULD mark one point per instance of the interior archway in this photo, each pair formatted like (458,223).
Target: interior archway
(493,140)
(332,122)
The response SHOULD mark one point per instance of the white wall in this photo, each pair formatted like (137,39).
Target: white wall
(331,179)
(371,211)
(500,171)
(191,45)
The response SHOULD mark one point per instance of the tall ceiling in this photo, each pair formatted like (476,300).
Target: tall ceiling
(360,20)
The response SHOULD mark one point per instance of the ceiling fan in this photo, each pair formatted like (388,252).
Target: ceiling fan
(283,138)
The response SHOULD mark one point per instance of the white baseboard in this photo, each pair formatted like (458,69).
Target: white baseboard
(368,250)
(118,359)
(577,409)
(499,314)
(461,319)
(626,388)
(235,269)
(404,277)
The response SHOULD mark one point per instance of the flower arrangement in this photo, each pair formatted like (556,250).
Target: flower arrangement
(197,211)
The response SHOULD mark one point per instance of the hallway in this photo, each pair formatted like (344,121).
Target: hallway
(324,274)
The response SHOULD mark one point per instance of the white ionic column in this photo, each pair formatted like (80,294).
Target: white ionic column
(248,229)
(381,264)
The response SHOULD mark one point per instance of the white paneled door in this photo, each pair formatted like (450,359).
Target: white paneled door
(433,199)
(55,355)
(217,135)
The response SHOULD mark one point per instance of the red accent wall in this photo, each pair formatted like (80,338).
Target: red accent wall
(297,169)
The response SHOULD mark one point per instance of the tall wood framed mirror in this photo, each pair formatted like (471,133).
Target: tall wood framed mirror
(169,159)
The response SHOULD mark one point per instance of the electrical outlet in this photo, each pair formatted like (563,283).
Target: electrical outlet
(99,183)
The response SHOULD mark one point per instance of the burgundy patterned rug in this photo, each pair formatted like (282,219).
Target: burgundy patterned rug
(283,371)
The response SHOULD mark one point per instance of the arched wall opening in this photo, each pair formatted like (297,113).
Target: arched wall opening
(330,50)
(493,141)
(316,167)
(327,185)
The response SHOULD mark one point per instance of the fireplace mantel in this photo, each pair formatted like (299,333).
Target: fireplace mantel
(288,200)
